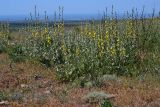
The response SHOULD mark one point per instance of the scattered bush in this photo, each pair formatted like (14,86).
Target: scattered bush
(17,53)
(3,46)
(106,103)
(93,97)
(16,96)
(3,96)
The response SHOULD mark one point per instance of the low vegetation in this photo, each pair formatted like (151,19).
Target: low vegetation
(90,53)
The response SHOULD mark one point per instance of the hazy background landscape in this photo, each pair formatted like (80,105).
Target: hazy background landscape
(74,10)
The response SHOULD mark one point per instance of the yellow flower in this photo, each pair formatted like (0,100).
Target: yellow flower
(107,37)
(34,33)
(123,51)
(130,31)
(93,34)
(49,40)
(46,30)
(107,33)
(118,42)
(112,51)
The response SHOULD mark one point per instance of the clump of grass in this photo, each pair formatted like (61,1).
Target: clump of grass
(62,95)
(108,77)
(93,97)
(3,96)
(16,96)
(106,103)
(17,53)
(2,47)
(4,36)
(40,99)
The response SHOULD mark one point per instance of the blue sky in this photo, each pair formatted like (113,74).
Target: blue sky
(23,7)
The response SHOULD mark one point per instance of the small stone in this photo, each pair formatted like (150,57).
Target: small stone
(47,92)
(24,86)
(2,103)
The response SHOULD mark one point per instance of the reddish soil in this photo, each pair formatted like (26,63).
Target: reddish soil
(41,89)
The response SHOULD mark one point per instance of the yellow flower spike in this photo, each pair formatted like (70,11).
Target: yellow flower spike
(129,29)
(94,35)
(46,30)
(123,51)
(49,40)
(118,42)
(34,34)
(107,33)
(112,51)
(101,46)
(107,37)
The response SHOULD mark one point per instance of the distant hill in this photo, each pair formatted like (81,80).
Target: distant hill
(67,17)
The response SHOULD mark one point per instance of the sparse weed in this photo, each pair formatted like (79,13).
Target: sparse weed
(17,53)
(93,97)
(3,96)
(106,103)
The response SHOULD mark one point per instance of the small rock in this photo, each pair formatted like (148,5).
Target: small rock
(47,92)
(24,86)
(2,103)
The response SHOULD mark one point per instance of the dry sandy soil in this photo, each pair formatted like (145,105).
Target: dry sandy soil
(30,84)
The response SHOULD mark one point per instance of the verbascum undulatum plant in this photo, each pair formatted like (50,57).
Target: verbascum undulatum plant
(130,30)
(112,51)
(49,40)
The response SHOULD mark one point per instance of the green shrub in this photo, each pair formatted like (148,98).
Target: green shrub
(17,53)
(3,96)
(3,46)
(106,103)
(16,96)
